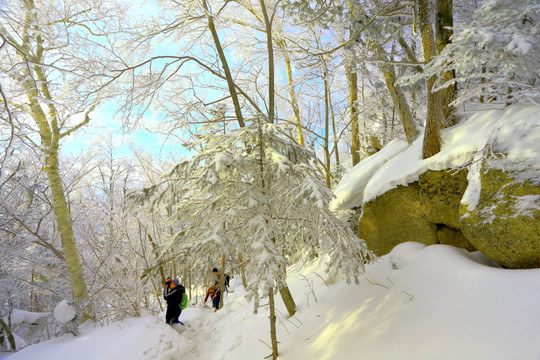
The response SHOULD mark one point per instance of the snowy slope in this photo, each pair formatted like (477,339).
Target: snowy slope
(417,302)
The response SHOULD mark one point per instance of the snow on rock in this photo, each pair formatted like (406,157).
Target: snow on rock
(514,132)
(349,193)
(64,311)
(26,317)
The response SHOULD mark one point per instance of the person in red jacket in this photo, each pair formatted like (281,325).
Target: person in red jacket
(214,292)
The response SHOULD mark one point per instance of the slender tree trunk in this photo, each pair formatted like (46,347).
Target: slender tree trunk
(432,138)
(294,101)
(270,49)
(352,82)
(225,65)
(272,317)
(156,255)
(222,282)
(11,339)
(65,228)
(326,131)
(242,271)
(288,300)
(189,284)
(444,29)
(334,131)
(50,135)
(400,103)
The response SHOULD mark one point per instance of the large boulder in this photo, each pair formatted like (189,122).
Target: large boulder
(480,192)
(426,211)
(505,224)
(441,193)
(395,217)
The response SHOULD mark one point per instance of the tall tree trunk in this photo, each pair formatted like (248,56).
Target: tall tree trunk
(222,282)
(65,227)
(326,131)
(224,65)
(272,317)
(432,137)
(6,330)
(270,49)
(290,84)
(400,103)
(50,136)
(352,82)
(444,29)
(288,300)
(242,270)
(334,131)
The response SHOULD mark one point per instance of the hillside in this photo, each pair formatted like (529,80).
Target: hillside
(418,302)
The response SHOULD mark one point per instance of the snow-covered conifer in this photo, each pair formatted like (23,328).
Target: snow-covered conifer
(254,192)
(496,56)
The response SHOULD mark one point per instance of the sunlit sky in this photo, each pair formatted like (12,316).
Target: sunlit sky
(105,121)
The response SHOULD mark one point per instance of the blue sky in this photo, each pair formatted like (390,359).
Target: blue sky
(104,122)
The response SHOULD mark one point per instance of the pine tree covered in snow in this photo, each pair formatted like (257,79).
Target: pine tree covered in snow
(251,191)
(496,56)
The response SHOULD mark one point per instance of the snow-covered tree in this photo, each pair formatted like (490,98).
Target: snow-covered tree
(253,191)
(51,69)
(496,56)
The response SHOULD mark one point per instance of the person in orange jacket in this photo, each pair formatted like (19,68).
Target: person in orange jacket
(213,291)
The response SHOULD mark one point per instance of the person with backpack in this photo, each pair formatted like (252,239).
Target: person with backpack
(214,291)
(173,293)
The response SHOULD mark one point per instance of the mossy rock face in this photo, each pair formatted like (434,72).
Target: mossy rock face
(505,225)
(395,217)
(441,193)
(454,237)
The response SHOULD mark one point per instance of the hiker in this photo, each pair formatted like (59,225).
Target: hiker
(214,292)
(172,293)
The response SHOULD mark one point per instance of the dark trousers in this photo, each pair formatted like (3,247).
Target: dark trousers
(172,314)
(216,300)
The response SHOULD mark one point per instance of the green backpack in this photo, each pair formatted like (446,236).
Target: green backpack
(185,301)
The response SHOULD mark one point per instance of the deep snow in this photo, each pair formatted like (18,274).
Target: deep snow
(418,302)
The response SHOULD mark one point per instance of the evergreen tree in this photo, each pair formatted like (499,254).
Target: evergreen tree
(255,192)
(496,56)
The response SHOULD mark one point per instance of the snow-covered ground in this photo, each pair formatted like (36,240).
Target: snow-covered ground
(417,302)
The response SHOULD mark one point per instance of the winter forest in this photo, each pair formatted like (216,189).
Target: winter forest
(277,122)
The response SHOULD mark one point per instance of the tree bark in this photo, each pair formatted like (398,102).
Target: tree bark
(292,93)
(444,29)
(242,271)
(50,136)
(224,65)
(432,137)
(272,317)
(270,49)
(352,82)
(335,148)
(9,334)
(288,300)
(222,282)
(400,102)
(326,131)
